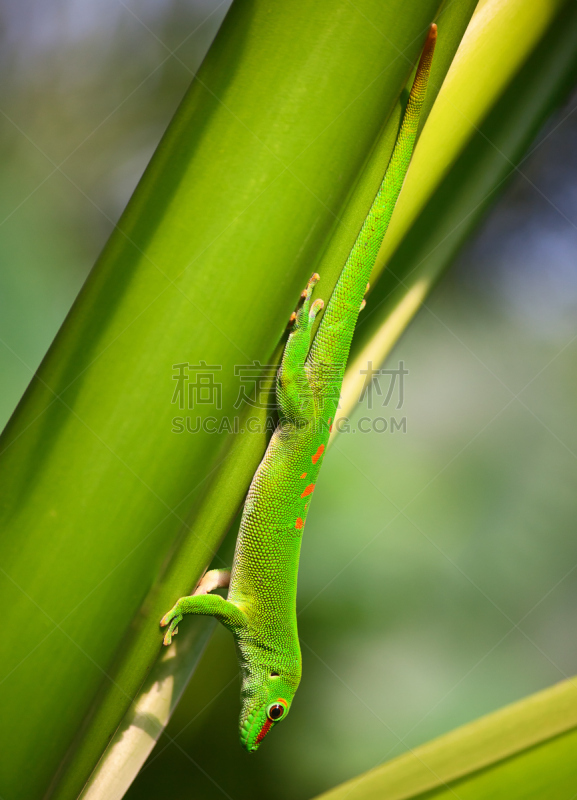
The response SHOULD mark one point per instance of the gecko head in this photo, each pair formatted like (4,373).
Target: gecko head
(264,704)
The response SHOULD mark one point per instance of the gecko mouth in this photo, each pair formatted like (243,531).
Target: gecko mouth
(251,735)
(263,732)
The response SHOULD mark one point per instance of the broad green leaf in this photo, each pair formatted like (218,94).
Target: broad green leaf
(525,750)
(108,514)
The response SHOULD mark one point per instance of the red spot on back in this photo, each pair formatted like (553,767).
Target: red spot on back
(309,490)
(319,453)
(263,731)
(299,524)
(303,475)
(330,424)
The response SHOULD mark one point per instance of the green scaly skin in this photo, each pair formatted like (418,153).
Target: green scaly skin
(260,609)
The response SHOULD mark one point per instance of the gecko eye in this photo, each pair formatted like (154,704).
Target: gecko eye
(275,711)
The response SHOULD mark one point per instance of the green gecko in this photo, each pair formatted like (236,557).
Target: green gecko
(260,609)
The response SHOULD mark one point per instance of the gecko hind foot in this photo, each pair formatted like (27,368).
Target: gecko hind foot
(308,290)
(299,316)
(307,313)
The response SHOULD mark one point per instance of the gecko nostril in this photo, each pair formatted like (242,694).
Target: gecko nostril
(274,675)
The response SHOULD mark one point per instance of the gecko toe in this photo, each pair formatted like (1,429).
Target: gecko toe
(317,306)
(173,627)
(312,282)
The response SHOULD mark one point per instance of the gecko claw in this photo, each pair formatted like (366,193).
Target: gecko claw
(363,304)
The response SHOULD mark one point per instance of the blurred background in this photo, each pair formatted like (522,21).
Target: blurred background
(439,571)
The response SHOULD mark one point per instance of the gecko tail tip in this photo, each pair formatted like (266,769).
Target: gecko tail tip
(431,37)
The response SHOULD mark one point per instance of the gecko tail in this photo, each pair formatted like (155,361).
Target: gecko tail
(345,303)
(364,252)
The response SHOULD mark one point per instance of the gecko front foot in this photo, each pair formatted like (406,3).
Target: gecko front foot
(172,618)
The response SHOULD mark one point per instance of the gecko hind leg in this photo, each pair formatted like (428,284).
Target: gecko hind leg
(294,394)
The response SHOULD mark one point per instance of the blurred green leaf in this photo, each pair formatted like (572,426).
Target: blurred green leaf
(525,750)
